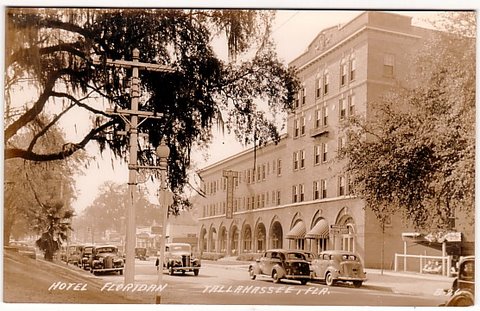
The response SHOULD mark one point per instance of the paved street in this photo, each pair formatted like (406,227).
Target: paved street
(216,284)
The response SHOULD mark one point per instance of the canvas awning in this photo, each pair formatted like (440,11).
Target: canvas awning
(319,231)
(298,231)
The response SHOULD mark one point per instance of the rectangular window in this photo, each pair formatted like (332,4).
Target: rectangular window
(316,153)
(295,160)
(341,185)
(301,192)
(343,74)
(297,101)
(278,197)
(294,194)
(324,152)
(296,128)
(351,105)
(318,118)
(279,167)
(264,176)
(248,177)
(259,202)
(302,125)
(304,96)
(302,158)
(353,68)
(323,185)
(267,198)
(388,65)
(325,115)
(316,190)
(326,81)
(318,87)
(252,202)
(259,174)
(342,110)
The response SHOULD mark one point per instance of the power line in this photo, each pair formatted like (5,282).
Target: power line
(283,24)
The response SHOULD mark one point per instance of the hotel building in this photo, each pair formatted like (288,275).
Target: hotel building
(295,194)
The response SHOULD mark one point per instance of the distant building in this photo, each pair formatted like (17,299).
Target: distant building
(295,194)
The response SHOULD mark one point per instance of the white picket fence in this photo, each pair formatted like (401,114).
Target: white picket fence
(446,263)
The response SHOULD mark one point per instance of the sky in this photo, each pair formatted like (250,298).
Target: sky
(293,31)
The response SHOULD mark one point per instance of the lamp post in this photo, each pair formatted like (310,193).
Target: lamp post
(163,151)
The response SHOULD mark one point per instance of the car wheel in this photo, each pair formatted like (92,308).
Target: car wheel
(304,282)
(251,272)
(195,272)
(460,300)
(276,278)
(121,272)
(170,271)
(357,284)
(329,279)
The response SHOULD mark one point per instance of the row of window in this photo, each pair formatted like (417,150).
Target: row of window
(348,70)
(348,73)
(248,176)
(319,189)
(273,198)
(346,108)
(262,200)
(320,154)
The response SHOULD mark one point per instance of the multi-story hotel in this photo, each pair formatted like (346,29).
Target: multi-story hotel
(295,194)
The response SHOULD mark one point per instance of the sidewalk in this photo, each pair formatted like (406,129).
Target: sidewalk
(407,283)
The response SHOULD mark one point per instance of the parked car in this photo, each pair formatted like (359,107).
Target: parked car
(338,266)
(106,258)
(141,253)
(179,257)
(282,264)
(463,287)
(74,254)
(23,249)
(86,256)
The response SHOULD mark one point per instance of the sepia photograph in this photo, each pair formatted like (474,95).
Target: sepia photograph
(239,157)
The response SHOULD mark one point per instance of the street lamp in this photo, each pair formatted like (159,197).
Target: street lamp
(163,151)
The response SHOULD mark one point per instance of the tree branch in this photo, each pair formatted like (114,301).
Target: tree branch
(63,47)
(67,150)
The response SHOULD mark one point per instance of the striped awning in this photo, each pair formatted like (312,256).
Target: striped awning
(319,231)
(298,231)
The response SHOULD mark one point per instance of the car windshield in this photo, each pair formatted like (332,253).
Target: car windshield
(349,257)
(179,248)
(309,256)
(106,250)
(295,256)
(87,250)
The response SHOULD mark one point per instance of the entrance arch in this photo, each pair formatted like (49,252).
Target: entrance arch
(347,235)
(260,237)
(203,239)
(212,240)
(222,240)
(247,239)
(234,240)
(276,235)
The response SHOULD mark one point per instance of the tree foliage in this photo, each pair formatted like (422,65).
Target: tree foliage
(54,50)
(108,209)
(417,156)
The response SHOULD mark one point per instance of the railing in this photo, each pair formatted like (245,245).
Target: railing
(446,263)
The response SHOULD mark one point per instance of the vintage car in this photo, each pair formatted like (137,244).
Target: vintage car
(282,264)
(86,256)
(463,287)
(338,266)
(23,249)
(74,254)
(105,258)
(179,257)
(141,253)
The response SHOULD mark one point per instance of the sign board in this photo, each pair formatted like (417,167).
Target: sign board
(338,229)
(230,175)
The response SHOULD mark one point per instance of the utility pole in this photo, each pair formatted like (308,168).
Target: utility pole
(133,122)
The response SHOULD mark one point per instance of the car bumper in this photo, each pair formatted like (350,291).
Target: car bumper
(351,278)
(297,277)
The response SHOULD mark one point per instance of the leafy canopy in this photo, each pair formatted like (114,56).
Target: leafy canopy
(53,50)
